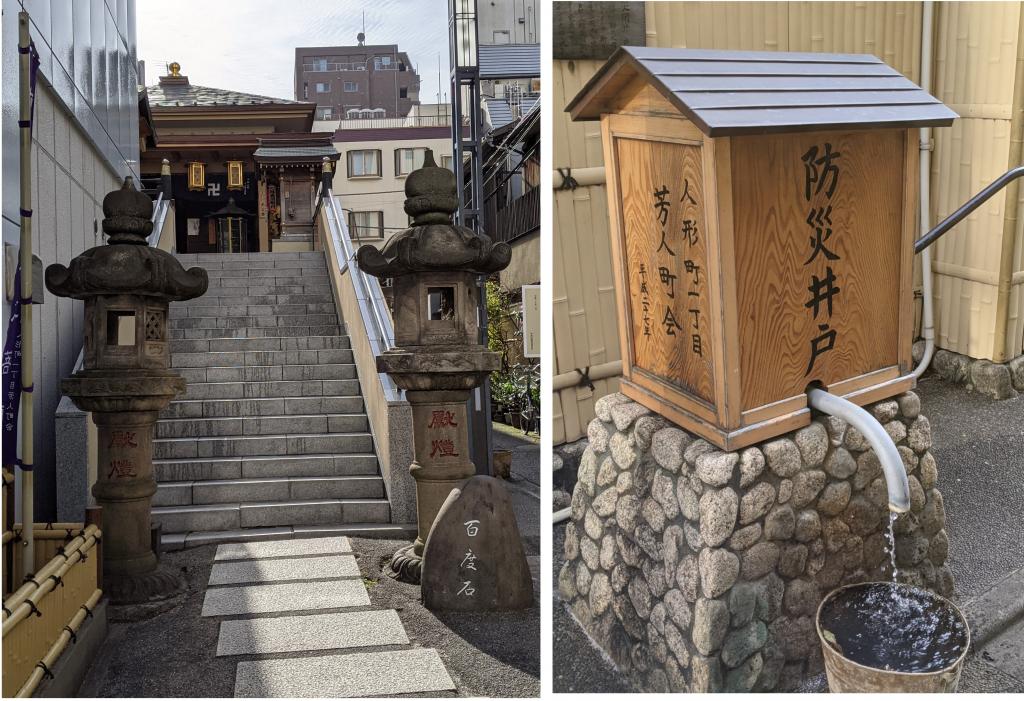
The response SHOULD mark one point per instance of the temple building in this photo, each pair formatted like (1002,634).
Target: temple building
(243,168)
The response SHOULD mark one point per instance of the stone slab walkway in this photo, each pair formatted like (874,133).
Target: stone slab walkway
(246,581)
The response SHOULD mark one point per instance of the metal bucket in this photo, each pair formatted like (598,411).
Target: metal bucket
(846,676)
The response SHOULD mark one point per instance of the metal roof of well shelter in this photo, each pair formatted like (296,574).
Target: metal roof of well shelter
(756,92)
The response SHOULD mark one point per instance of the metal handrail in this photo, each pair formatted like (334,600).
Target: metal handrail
(972,204)
(160,207)
(373,308)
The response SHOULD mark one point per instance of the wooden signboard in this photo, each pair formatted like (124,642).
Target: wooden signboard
(762,210)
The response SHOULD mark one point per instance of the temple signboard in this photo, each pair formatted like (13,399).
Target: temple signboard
(762,209)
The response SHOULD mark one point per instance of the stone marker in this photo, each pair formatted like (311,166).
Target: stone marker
(473,559)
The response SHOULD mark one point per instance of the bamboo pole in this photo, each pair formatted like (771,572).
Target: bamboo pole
(1001,351)
(25,253)
(51,657)
(22,602)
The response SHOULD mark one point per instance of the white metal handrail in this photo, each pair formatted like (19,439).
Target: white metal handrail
(160,208)
(373,307)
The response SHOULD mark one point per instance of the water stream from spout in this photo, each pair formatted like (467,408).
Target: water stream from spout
(892,544)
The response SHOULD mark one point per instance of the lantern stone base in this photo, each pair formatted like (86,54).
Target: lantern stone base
(156,585)
(700,570)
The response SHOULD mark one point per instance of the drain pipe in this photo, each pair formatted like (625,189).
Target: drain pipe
(560,516)
(881,443)
(927,309)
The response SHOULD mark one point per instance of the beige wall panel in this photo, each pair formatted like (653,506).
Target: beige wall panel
(975,58)
(583,313)
(1015,321)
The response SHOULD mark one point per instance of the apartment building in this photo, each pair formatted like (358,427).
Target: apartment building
(361,81)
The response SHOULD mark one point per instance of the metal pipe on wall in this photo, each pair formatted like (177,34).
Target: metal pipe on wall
(925,162)
(25,254)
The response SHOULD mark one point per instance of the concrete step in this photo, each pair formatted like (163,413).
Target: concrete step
(253,332)
(262,426)
(247,446)
(265,466)
(200,258)
(239,322)
(260,289)
(415,672)
(222,359)
(269,373)
(312,512)
(229,300)
(267,489)
(242,308)
(393,531)
(272,268)
(272,389)
(275,277)
(268,343)
(273,406)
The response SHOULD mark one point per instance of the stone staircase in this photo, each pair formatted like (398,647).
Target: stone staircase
(271,438)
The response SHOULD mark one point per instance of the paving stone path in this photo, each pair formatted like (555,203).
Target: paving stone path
(302,606)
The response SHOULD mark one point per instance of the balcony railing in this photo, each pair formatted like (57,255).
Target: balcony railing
(340,67)
(444,120)
(518,218)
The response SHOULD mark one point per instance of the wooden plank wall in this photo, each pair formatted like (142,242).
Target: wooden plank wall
(583,293)
(976,51)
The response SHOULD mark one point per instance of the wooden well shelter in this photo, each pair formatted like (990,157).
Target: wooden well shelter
(762,209)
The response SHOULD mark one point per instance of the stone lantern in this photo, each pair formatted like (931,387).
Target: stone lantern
(438,358)
(126,380)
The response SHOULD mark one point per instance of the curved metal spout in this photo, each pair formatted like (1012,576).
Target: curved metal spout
(888,456)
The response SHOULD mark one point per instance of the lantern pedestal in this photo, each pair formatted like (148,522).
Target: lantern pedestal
(125,408)
(438,387)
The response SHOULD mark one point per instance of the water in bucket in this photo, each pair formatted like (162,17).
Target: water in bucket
(893,627)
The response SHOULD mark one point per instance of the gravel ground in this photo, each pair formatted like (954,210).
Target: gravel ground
(979,448)
(172,654)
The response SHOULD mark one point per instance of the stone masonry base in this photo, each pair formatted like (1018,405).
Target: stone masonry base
(995,380)
(701,570)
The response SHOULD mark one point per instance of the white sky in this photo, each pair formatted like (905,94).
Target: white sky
(249,45)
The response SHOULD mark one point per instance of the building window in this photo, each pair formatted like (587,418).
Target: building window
(366,225)
(235,175)
(381,63)
(320,64)
(305,91)
(408,159)
(403,92)
(323,87)
(362,164)
(351,87)
(196,176)
(324,113)
(446,162)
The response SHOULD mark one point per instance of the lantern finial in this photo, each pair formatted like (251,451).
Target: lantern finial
(127,215)
(431,194)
